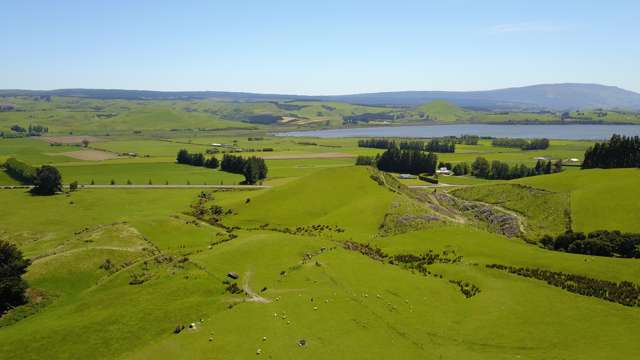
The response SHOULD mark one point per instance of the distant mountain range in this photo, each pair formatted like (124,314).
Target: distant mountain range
(555,97)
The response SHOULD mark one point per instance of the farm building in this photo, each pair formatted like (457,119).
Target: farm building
(406,176)
(444,171)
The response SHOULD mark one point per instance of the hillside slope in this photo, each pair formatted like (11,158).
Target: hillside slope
(567,96)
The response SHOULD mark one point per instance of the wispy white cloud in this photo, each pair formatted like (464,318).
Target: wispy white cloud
(527,27)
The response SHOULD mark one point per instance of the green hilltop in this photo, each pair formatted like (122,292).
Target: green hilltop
(444,111)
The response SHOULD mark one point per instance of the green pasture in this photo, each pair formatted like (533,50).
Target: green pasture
(338,301)
(600,199)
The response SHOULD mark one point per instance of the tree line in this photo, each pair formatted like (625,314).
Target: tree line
(45,179)
(618,152)
(625,293)
(253,168)
(434,145)
(465,139)
(19,131)
(598,243)
(407,161)
(533,144)
(499,170)
(20,171)
(196,159)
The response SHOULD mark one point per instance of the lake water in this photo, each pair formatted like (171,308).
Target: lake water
(570,132)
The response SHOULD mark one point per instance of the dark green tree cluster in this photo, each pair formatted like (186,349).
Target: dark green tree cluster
(407,161)
(536,144)
(48,181)
(462,139)
(498,170)
(20,171)
(533,144)
(12,266)
(365,160)
(18,129)
(232,163)
(598,243)
(253,168)
(618,152)
(376,143)
(461,169)
(440,146)
(196,159)
(434,145)
(624,292)
(467,139)
(37,130)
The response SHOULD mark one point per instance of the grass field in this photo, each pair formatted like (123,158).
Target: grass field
(600,199)
(303,286)
(115,270)
(545,212)
(64,115)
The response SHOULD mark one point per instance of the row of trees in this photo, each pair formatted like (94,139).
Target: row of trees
(32,130)
(197,159)
(435,145)
(624,292)
(407,161)
(441,146)
(533,144)
(599,243)
(461,169)
(365,160)
(618,152)
(253,168)
(462,139)
(46,179)
(498,170)
(20,171)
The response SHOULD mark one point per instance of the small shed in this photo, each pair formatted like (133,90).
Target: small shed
(406,176)
(444,171)
(233,275)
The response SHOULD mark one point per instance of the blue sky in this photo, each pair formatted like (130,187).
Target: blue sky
(330,47)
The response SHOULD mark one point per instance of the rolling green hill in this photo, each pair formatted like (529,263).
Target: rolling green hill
(444,111)
(305,292)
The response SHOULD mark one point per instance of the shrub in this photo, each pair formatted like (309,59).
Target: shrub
(48,181)
(12,266)
(364,160)
(598,243)
(20,171)
(427,178)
